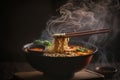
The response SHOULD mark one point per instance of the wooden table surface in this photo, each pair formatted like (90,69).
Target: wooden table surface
(9,69)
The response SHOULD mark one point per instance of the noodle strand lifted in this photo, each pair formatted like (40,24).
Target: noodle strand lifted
(60,43)
(61,48)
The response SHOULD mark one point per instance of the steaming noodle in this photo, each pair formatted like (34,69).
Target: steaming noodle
(62,49)
(60,44)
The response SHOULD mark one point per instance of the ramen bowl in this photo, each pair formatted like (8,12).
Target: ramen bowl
(58,66)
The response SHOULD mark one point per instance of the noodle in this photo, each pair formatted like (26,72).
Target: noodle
(59,44)
(62,49)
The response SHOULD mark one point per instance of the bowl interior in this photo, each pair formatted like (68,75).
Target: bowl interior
(27,47)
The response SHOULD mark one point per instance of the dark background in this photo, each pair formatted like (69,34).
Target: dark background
(23,21)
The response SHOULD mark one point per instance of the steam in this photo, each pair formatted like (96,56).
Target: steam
(79,15)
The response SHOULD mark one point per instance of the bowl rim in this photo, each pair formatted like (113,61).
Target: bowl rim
(28,45)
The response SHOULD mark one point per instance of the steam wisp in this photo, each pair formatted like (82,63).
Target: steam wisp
(81,15)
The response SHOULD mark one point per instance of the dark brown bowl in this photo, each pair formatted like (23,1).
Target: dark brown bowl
(59,66)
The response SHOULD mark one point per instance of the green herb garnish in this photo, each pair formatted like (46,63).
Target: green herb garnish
(42,42)
(47,43)
(81,49)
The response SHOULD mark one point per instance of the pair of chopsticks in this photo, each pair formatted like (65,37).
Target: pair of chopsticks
(82,33)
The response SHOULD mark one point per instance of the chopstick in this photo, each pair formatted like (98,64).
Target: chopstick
(88,32)
(83,33)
